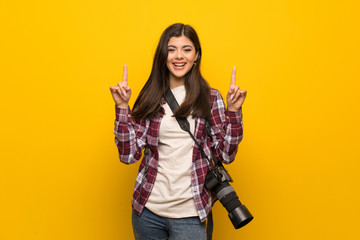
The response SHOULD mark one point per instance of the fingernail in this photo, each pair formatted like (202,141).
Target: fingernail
(232,96)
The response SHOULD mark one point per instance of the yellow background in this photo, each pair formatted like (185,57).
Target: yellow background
(297,169)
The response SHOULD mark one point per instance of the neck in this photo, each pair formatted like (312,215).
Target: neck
(176,82)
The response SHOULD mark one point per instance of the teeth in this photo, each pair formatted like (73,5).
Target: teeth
(179,64)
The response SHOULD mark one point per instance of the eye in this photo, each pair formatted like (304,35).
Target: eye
(171,50)
(187,49)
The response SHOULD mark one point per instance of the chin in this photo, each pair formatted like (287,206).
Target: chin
(180,74)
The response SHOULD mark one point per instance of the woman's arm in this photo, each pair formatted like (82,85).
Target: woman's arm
(130,136)
(226,129)
(227,126)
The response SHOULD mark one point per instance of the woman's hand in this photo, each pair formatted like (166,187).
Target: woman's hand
(235,96)
(122,92)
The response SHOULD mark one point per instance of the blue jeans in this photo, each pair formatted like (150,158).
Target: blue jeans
(152,226)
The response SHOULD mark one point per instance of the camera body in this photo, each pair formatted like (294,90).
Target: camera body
(217,180)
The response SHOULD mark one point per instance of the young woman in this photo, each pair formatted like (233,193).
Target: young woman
(170,199)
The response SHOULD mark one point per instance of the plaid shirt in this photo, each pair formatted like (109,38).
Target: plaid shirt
(132,137)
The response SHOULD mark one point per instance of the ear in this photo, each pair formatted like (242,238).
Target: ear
(197,56)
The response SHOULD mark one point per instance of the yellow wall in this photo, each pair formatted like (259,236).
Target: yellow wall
(298,165)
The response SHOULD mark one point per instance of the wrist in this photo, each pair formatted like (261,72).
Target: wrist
(232,109)
(123,105)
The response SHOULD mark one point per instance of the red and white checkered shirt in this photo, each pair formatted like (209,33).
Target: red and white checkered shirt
(132,137)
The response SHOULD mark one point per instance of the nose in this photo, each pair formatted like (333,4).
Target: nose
(179,54)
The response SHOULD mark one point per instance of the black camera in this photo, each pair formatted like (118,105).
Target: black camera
(217,180)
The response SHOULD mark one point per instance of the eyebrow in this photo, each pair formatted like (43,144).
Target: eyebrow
(182,47)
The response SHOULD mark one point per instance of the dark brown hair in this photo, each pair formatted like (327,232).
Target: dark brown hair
(197,99)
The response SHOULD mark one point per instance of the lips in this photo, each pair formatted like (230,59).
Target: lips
(179,65)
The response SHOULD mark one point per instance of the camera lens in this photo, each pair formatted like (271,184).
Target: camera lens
(238,213)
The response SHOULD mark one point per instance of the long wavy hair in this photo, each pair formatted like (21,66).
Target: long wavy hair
(197,99)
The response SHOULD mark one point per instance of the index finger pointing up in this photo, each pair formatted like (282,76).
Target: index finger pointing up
(125,74)
(232,83)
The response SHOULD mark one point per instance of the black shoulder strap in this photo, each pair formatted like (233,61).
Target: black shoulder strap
(184,123)
(173,104)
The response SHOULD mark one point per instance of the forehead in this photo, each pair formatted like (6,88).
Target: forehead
(180,41)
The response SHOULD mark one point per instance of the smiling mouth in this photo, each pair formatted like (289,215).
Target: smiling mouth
(179,65)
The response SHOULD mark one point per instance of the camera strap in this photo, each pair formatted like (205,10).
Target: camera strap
(184,123)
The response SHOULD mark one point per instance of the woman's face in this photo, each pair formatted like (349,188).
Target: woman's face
(181,56)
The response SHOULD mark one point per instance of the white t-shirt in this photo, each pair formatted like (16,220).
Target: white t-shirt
(171,195)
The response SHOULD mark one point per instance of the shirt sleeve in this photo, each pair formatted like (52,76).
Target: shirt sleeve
(226,130)
(130,136)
